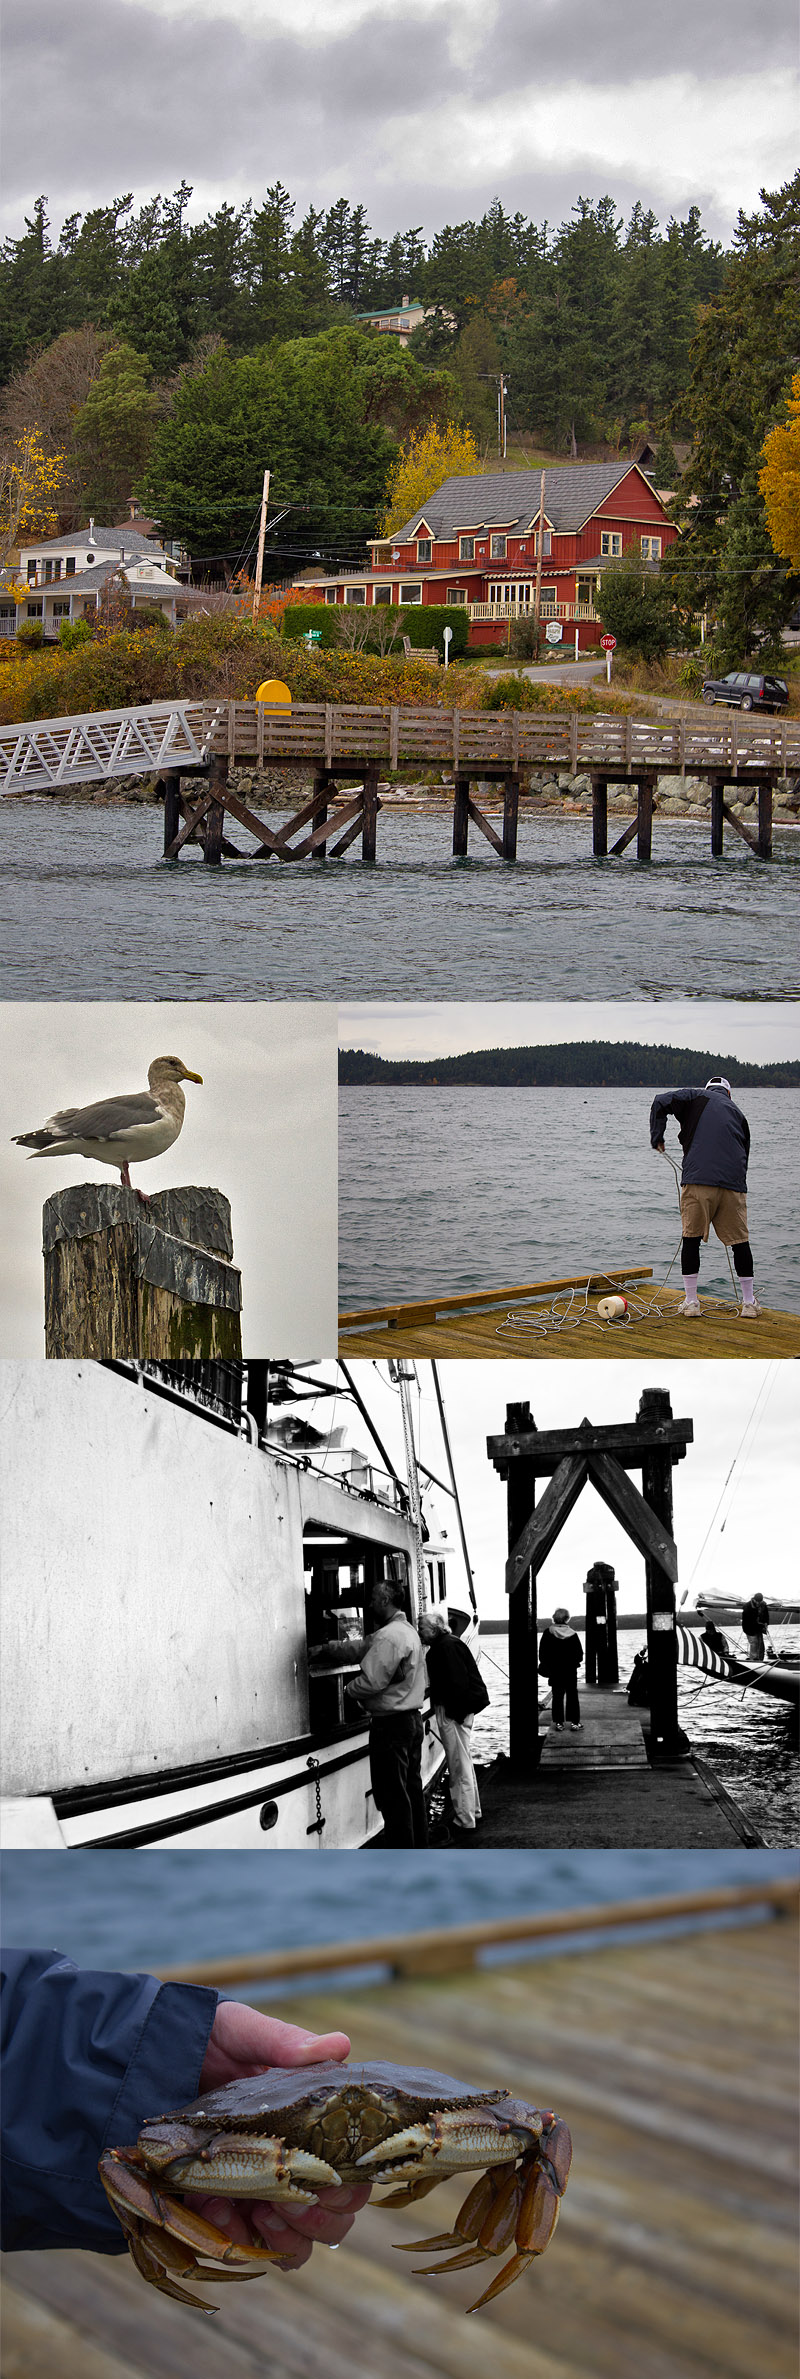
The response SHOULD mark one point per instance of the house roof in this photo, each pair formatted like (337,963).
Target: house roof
(86,582)
(510,500)
(114,541)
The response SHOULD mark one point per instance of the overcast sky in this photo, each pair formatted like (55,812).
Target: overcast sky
(722,1399)
(760,1034)
(422,109)
(262,1129)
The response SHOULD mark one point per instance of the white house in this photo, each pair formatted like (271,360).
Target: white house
(65,576)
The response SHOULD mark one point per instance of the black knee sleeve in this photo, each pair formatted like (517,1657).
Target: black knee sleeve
(690,1257)
(743,1260)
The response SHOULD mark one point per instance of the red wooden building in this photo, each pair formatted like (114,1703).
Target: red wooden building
(475,542)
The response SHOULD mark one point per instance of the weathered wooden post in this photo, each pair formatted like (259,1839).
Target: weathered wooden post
(510,816)
(717,816)
(602,1664)
(172,808)
(644,830)
(369,832)
(125,1278)
(523,1640)
(215,817)
(765,796)
(321,780)
(600,817)
(662,1646)
(461,817)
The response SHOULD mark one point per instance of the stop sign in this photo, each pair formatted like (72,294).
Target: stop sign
(608,644)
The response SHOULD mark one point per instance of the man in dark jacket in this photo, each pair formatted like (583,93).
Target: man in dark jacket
(715,1138)
(457,1693)
(87,2056)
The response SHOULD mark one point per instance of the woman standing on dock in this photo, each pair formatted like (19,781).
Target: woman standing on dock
(560,1656)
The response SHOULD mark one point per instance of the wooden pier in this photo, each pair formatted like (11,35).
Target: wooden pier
(598,1789)
(190,748)
(676,2248)
(558,1318)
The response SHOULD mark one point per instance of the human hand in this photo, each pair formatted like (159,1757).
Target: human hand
(659,1147)
(243,2041)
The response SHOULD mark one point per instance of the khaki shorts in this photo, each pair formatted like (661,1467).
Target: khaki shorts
(725,1208)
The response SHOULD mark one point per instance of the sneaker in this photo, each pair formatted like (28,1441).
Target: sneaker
(557,1726)
(692,1306)
(576,1726)
(750,1313)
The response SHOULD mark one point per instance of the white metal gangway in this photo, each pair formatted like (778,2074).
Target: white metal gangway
(49,755)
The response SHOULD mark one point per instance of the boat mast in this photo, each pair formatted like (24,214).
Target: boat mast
(400,1374)
(456,1498)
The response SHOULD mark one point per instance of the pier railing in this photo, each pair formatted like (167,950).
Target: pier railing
(162,737)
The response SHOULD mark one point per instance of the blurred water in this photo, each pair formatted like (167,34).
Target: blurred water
(87,903)
(449,1189)
(148,1909)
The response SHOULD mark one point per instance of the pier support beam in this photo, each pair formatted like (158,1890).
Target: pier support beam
(523,1641)
(765,799)
(602,1662)
(461,817)
(321,780)
(369,833)
(510,816)
(662,1646)
(215,820)
(644,833)
(126,1279)
(172,808)
(600,817)
(717,816)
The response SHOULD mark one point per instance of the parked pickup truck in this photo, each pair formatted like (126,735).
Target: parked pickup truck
(747,690)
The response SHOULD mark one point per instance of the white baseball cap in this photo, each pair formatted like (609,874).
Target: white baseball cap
(718,1082)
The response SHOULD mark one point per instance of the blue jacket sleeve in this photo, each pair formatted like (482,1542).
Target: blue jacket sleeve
(669,1102)
(85,2057)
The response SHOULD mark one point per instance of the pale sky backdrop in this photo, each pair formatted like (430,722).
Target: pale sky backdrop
(761,1034)
(262,1129)
(753,1539)
(421,109)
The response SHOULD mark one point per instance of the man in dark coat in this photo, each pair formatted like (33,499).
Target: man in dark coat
(715,1138)
(457,1692)
(560,1656)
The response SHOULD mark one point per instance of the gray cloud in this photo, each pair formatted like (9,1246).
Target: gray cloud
(534,42)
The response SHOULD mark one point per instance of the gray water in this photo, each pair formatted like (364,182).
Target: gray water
(452,1189)
(748,1738)
(88,909)
(153,1909)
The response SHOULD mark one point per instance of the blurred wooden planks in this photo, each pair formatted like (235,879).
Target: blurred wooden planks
(676,2254)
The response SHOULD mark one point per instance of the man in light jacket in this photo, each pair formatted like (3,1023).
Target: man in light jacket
(391,1685)
(715,1138)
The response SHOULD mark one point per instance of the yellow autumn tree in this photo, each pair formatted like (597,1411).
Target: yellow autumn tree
(779,481)
(30,484)
(431,455)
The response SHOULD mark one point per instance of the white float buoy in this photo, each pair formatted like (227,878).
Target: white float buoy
(612,1309)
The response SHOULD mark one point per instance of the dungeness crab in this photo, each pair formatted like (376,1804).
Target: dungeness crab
(283,2135)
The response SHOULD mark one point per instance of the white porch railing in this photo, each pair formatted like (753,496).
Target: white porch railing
(525,611)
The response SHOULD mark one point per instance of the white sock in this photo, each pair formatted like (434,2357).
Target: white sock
(691,1283)
(748,1289)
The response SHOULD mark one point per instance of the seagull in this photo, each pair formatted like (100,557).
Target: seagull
(123,1130)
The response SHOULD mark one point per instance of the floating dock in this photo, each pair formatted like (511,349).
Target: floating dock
(676,2247)
(559,1318)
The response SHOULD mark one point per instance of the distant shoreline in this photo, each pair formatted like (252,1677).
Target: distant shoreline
(564,1065)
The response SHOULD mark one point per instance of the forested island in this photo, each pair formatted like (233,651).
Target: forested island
(580,1065)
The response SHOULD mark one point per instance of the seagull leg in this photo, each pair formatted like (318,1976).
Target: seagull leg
(125,1177)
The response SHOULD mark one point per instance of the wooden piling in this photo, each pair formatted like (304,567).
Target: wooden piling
(215,820)
(510,816)
(321,780)
(124,1278)
(717,816)
(662,1649)
(172,808)
(600,817)
(644,836)
(523,1640)
(765,796)
(461,817)
(369,832)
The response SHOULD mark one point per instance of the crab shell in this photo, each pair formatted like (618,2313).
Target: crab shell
(283,2135)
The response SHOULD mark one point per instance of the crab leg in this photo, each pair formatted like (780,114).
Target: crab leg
(235,2167)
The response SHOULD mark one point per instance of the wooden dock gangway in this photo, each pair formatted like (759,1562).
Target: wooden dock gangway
(672,2058)
(355,741)
(558,1318)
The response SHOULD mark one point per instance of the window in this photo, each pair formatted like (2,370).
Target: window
(31,573)
(70,569)
(651,549)
(34,610)
(466,549)
(355,594)
(411,594)
(547,541)
(548,594)
(456,594)
(498,548)
(610,542)
(61,611)
(382,594)
(330,594)
(424,549)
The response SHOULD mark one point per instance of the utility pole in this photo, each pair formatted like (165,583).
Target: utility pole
(261,535)
(537,608)
(501,418)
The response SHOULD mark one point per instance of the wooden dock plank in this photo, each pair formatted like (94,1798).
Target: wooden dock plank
(612,1735)
(494,1335)
(675,2253)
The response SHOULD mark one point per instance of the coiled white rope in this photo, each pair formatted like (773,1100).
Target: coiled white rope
(576,1315)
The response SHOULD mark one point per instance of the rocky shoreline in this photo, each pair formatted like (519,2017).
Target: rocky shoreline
(541,795)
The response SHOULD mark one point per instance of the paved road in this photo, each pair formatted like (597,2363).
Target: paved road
(549,673)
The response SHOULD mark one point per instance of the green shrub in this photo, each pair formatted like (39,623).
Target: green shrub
(524,639)
(72,633)
(151,615)
(422,623)
(30,635)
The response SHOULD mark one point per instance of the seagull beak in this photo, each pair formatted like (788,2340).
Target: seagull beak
(188,1076)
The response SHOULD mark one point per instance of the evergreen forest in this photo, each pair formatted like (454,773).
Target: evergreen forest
(581,1065)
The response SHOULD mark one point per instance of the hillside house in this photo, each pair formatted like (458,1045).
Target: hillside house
(475,542)
(65,576)
(400,319)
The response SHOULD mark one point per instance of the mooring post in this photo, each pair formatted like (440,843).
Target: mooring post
(523,1641)
(717,816)
(320,850)
(602,1665)
(460,817)
(510,816)
(172,809)
(600,817)
(644,827)
(369,833)
(215,816)
(122,1278)
(662,1647)
(765,795)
